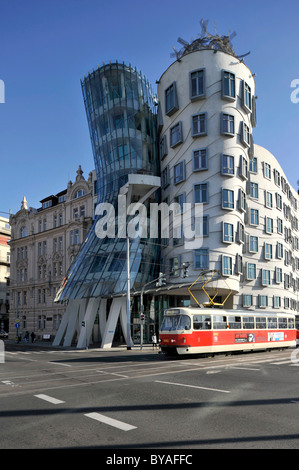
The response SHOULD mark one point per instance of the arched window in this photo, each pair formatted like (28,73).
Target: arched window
(79,193)
(23,232)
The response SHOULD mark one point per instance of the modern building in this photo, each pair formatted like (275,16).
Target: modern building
(121,114)
(4,272)
(246,226)
(229,215)
(44,243)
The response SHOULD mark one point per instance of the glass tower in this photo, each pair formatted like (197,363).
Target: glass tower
(121,114)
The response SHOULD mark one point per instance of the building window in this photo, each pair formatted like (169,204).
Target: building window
(201,258)
(79,193)
(165,177)
(279,225)
(163,147)
(227,124)
(253,165)
(251,271)
(246,98)
(276,301)
(278,275)
(253,244)
(279,250)
(74,237)
(179,200)
(199,124)
(201,193)
(200,160)
(228,85)
(254,216)
(241,233)
(242,200)
(269,225)
(277,177)
(247,301)
(227,199)
(267,171)
(268,251)
(179,172)
(245,134)
(197,84)
(46,204)
(227,265)
(23,232)
(201,226)
(263,302)
(239,264)
(174,265)
(254,190)
(171,101)
(266,281)
(269,199)
(278,201)
(227,165)
(243,169)
(176,135)
(227,233)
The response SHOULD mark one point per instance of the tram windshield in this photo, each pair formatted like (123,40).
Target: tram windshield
(177,322)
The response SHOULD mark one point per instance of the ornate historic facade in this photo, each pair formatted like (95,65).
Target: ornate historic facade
(44,243)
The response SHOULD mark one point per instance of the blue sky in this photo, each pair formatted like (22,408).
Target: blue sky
(46,47)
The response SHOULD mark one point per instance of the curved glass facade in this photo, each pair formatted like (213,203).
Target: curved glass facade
(121,113)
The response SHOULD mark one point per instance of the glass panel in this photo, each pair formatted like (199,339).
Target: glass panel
(202,322)
(219,323)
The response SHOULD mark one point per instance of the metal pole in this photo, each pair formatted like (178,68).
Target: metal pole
(141,321)
(128,296)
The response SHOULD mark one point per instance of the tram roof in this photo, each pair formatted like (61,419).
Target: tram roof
(223,312)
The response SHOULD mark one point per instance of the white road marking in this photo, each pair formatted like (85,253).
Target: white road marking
(112,422)
(55,401)
(193,386)
(59,364)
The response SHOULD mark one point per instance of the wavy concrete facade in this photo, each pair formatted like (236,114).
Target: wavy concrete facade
(207,114)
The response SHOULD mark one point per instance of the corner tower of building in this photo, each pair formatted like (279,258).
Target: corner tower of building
(206,116)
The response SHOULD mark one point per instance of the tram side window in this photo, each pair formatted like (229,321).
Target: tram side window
(219,322)
(297,323)
(261,323)
(248,323)
(272,323)
(291,323)
(234,323)
(201,322)
(282,323)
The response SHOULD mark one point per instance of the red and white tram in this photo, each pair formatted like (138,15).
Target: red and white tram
(201,331)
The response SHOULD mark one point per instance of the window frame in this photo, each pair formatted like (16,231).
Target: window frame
(197,95)
(172,106)
(199,132)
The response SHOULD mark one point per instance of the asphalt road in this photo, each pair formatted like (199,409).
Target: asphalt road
(119,400)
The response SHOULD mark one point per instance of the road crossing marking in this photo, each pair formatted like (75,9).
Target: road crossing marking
(112,422)
(52,400)
(193,386)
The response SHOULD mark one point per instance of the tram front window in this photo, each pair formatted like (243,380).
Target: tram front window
(178,322)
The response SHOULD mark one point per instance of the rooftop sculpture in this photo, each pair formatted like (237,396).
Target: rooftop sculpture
(207,40)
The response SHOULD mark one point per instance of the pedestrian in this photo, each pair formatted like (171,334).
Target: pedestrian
(32,337)
(26,337)
(154,341)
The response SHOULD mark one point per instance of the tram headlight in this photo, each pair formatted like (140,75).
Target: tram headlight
(172,340)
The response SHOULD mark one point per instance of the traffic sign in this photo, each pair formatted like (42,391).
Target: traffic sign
(17,325)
